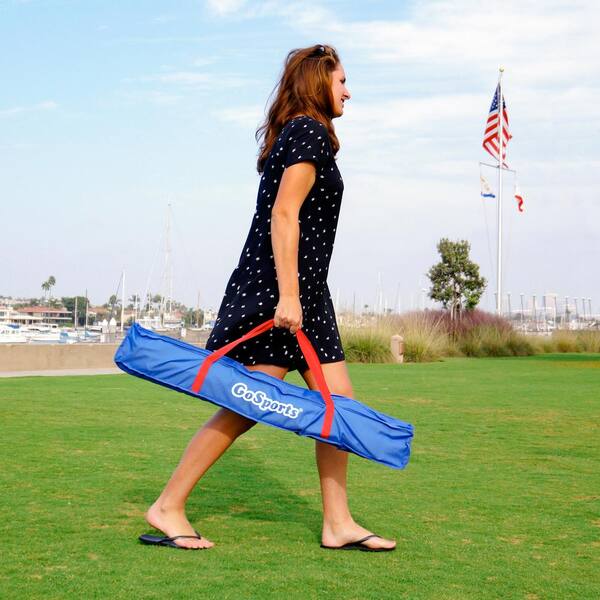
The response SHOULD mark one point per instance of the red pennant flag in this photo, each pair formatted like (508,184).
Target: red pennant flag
(519,198)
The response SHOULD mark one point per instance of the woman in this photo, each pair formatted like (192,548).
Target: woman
(283,270)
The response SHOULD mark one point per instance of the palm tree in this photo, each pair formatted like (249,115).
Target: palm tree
(134,299)
(51,283)
(46,287)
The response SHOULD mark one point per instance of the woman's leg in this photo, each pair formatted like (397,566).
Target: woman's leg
(338,525)
(208,444)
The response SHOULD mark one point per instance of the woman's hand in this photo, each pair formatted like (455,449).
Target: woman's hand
(288,313)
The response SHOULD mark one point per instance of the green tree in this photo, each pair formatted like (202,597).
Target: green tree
(69,304)
(191,316)
(455,280)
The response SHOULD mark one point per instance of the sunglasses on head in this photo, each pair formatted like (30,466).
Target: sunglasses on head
(321,51)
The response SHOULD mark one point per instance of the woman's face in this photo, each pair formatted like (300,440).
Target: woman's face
(339,90)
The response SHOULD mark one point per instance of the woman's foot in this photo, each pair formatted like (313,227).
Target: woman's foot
(339,534)
(174,522)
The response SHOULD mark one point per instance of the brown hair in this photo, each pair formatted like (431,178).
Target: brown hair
(304,88)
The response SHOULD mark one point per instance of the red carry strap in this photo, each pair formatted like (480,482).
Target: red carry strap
(315,366)
(217,354)
(309,354)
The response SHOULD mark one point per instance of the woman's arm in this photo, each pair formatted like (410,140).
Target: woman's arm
(295,185)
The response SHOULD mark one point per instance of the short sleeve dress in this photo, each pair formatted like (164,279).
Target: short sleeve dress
(252,294)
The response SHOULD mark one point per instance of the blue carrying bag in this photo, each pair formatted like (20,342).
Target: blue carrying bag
(331,418)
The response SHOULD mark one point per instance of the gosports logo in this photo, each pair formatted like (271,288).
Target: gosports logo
(240,390)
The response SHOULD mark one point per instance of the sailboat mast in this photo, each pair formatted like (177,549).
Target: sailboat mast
(198,311)
(170,266)
(122,300)
(87,304)
(167,280)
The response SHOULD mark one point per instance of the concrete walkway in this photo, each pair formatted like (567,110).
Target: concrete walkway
(59,372)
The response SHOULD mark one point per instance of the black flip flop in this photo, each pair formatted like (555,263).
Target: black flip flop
(155,540)
(360,545)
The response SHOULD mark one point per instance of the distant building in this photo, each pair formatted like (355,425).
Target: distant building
(210,317)
(60,316)
(9,315)
(98,313)
(8,302)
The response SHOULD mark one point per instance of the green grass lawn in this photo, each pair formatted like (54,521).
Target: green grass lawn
(501,498)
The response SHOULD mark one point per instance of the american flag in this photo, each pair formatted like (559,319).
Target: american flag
(492,127)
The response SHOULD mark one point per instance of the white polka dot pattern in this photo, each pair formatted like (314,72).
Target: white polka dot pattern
(252,294)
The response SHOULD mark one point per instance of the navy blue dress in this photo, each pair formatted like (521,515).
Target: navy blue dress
(252,293)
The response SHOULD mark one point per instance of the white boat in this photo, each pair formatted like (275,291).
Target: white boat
(11,335)
(38,328)
(45,338)
(68,337)
(89,336)
(42,333)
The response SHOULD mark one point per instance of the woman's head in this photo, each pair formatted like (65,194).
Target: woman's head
(312,84)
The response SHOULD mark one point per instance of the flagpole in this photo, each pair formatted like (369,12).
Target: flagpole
(500,167)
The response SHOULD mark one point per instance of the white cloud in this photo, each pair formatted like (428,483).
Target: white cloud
(203,61)
(162,19)
(179,39)
(195,80)
(181,77)
(299,14)
(156,97)
(17,110)
(247,117)
(540,45)
(224,7)
(549,44)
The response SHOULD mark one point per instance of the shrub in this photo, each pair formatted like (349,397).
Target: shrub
(482,340)
(542,344)
(588,341)
(425,337)
(564,340)
(520,345)
(431,334)
(369,344)
(474,319)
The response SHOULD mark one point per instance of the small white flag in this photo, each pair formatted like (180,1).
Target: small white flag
(486,188)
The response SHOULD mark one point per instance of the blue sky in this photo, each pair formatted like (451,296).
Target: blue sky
(111,110)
